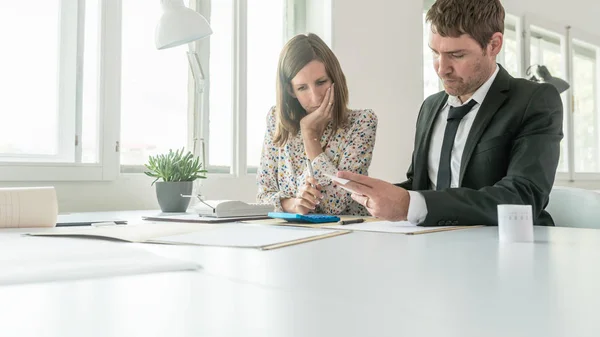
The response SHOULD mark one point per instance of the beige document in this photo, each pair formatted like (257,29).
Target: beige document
(221,235)
(28,207)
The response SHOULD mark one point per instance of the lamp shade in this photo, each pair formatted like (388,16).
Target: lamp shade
(560,84)
(544,76)
(179,25)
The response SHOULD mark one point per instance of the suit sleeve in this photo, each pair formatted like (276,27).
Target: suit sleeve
(533,160)
(408,183)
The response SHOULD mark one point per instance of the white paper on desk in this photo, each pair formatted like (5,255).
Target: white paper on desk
(342,183)
(244,236)
(28,207)
(134,232)
(36,259)
(403,227)
(196,218)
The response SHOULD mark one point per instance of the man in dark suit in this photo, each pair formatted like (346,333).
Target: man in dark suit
(488,139)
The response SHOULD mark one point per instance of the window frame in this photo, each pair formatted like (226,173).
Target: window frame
(108,167)
(591,41)
(70,76)
(199,101)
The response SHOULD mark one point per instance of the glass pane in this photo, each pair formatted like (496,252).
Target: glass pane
(265,40)
(550,56)
(29,80)
(584,114)
(431,81)
(545,52)
(154,88)
(89,136)
(221,84)
(511,55)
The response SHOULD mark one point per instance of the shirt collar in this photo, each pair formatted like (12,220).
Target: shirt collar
(479,94)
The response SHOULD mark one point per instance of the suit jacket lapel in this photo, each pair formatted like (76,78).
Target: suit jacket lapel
(422,151)
(490,105)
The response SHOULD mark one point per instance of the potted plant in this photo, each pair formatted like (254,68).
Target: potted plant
(178,170)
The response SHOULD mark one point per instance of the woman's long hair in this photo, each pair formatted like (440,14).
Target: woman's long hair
(297,53)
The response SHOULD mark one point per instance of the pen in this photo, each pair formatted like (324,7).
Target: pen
(104,224)
(349,222)
(311,173)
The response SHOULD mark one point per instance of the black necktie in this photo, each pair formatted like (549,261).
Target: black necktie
(454,116)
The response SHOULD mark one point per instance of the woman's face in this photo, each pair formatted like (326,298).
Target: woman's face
(310,85)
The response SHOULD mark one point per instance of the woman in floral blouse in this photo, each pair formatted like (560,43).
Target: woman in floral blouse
(311,121)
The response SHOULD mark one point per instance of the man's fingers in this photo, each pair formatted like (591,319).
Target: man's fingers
(355,188)
(359,178)
(363,200)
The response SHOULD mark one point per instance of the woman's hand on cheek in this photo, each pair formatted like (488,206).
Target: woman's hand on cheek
(314,124)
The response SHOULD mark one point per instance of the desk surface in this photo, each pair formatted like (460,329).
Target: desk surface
(459,283)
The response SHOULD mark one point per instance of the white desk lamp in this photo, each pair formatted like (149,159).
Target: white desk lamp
(179,25)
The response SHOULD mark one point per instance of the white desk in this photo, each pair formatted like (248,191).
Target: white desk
(461,283)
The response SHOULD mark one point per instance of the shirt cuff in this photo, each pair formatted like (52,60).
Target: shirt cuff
(322,165)
(276,201)
(417,208)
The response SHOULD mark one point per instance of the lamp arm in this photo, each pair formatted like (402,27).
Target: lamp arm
(196,67)
(199,80)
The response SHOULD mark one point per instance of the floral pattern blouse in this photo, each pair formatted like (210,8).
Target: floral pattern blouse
(283,170)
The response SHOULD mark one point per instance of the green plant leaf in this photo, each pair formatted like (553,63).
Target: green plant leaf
(176,165)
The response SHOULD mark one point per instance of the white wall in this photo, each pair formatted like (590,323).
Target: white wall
(581,14)
(379,44)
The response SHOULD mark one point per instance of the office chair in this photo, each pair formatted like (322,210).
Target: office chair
(574,207)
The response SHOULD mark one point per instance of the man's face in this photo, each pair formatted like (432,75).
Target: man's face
(461,63)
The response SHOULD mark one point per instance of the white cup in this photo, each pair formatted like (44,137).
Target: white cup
(515,223)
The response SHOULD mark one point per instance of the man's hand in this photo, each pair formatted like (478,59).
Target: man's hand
(382,199)
(309,196)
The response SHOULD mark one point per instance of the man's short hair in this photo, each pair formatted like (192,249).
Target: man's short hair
(479,18)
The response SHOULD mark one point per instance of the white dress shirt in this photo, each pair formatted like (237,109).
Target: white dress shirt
(417,209)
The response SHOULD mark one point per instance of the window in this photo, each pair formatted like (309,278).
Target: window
(265,40)
(89,122)
(103,95)
(242,80)
(546,49)
(26,75)
(221,93)
(240,70)
(154,88)
(31,82)
(568,54)
(54,91)
(510,55)
(585,116)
